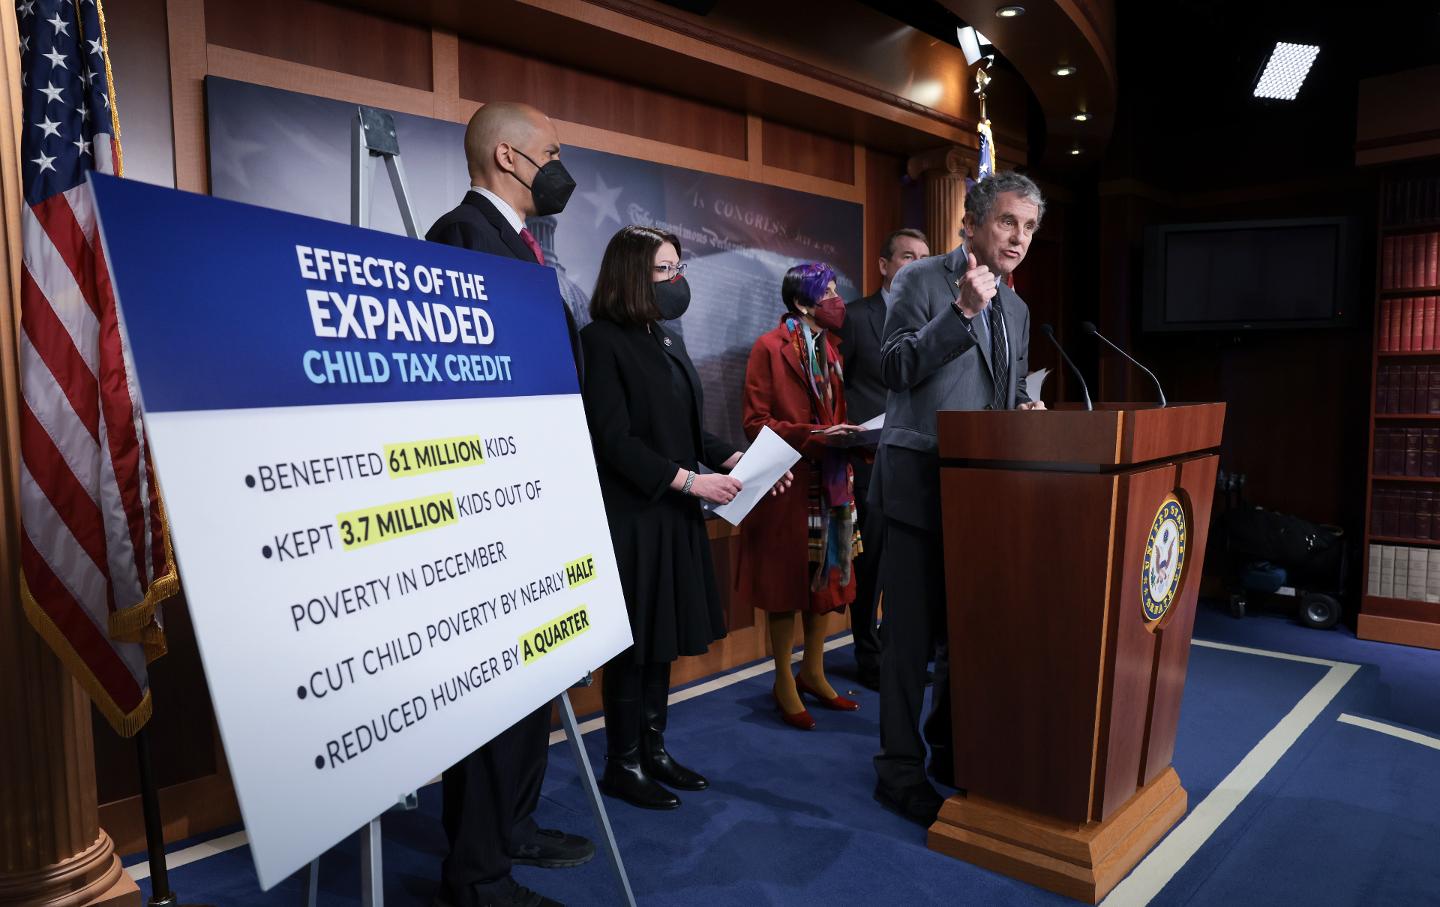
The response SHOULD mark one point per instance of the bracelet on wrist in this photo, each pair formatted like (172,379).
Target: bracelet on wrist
(689,481)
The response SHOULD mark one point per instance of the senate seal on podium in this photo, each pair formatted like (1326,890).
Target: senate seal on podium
(1164,562)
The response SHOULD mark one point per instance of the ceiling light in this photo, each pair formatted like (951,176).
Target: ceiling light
(1065,70)
(1010,12)
(1081,117)
(973,44)
(1075,150)
(1286,70)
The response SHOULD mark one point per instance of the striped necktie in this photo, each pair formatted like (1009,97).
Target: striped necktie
(999,355)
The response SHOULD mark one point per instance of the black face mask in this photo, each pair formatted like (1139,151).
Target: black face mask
(551,186)
(672,297)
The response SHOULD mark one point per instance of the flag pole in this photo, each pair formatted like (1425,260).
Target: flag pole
(160,893)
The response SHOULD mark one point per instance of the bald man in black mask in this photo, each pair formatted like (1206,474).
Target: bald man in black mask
(513,154)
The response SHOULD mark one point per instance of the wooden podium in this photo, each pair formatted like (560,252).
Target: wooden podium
(1074,546)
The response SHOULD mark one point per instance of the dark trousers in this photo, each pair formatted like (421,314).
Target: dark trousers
(636,702)
(867,575)
(488,805)
(914,578)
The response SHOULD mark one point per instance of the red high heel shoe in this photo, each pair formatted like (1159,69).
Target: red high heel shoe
(801,720)
(839,703)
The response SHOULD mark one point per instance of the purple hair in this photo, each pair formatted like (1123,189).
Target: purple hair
(806,284)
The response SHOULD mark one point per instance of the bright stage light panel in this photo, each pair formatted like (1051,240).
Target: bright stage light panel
(1285,73)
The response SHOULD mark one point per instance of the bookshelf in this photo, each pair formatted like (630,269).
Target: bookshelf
(1401,603)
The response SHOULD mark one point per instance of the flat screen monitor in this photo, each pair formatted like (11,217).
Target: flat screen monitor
(1249,275)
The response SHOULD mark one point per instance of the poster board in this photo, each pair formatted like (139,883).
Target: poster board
(381,493)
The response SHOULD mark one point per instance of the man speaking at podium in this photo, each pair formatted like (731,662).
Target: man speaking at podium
(957,337)
(489,797)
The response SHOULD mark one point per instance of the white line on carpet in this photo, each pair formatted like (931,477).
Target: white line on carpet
(178,858)
(709,686)
(1157,869)
(1403,733)
(1246,650)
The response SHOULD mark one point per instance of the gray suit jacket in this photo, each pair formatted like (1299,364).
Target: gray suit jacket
(933,360)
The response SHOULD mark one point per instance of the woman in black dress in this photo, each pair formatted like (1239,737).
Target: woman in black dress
(642,400)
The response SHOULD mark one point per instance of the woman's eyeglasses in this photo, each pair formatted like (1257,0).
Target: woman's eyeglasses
(670,272)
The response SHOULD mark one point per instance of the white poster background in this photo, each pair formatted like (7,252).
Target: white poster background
(256,660)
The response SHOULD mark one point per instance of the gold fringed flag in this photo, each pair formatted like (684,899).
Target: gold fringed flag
(94,549)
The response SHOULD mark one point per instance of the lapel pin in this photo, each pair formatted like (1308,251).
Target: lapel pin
(667,341)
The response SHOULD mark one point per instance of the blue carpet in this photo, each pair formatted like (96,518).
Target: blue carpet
(1348,816)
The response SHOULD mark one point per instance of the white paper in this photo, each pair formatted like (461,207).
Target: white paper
(869,433)
(1034,382)
(759,469)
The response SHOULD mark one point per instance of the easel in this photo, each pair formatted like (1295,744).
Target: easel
(372,135)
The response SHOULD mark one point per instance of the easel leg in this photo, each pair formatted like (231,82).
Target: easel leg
(372,882)
(577,746)
(312,884)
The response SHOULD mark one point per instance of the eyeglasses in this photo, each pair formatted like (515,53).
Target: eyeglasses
(668,271)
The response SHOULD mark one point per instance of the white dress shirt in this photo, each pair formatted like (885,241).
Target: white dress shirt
(511,217)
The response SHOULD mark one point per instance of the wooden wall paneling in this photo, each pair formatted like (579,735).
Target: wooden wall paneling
(806,152)
(182,730)
(445,74)
(489,73)
(246,66)
(187,809)
(324,35)
(185,20)
(883,216)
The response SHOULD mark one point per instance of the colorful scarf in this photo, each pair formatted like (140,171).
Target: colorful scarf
(833,534)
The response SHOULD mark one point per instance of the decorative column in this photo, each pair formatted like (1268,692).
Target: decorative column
(52,851)
(941,172)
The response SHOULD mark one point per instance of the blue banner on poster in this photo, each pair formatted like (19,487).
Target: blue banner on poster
(230,306)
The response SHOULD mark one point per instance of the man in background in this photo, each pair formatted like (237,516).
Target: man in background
(489,797)
(861,337)
(957,338)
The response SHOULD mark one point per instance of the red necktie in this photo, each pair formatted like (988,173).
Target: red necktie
(530,241)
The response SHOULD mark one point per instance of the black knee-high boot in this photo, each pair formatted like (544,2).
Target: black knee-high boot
(624,776)
(655,693)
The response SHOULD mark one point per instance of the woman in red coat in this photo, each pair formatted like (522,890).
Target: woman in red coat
(796,550)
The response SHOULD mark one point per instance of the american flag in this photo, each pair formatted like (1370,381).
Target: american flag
(987,150)
(94,551)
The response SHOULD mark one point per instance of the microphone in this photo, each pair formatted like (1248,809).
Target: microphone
(1048,331)
(1089,328)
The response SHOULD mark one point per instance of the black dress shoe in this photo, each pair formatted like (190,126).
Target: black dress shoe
(661,766)
(553,849)
(917,802)
(626,780)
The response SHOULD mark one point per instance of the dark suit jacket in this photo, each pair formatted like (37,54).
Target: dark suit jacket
(861,337)
(477,225)
(639,443)
(931,361)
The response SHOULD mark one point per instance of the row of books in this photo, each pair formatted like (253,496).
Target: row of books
(1410,324)
(1397,571)
(1410,261)
(1405,513)
(1411,201)
(1407,389)
(1407,452)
